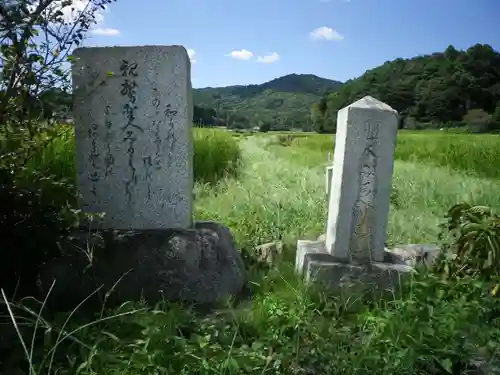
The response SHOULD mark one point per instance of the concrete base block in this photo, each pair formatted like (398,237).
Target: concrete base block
(332,273)
(316,265)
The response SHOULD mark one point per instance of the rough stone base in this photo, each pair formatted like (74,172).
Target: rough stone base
(200,265)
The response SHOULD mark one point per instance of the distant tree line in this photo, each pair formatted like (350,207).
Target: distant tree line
(448,89)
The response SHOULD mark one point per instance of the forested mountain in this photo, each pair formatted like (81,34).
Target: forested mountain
(284,102)
(441,89)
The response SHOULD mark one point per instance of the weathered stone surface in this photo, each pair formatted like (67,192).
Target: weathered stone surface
(317,265)
(305,247)
(269,252)
(133,115)
(361,181)
(200,265)
(331,272)
(414,254)
(411,254)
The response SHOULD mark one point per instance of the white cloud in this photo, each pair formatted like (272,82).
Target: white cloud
(105,31)
(241,54)
(325,33)
(269,59)
(71,11)
(191,53)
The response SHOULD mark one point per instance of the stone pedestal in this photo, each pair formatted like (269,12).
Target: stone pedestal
(317,265)
(200,265)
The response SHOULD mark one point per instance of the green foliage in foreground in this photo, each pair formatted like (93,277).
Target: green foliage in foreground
(438,327)
(216,154)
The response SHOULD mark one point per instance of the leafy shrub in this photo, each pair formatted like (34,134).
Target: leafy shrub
(31,223)
(35,206)
(216,153)
(473,233)
(478,120)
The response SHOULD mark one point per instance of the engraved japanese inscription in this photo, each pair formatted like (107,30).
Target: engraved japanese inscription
(362,236)
(133,135)
(94,160)
(128,90)
(109,158)
(169,119)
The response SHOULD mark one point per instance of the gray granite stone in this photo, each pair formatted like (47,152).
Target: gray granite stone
(361,181)
(134,151)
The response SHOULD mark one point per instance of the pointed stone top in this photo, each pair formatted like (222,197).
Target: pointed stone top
(369,102)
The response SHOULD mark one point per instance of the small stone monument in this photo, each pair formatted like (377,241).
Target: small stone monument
(361,183)
(133,116)
(358,206)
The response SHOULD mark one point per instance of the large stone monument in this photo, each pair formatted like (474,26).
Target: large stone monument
(133,113)
(133,116)
(359,185)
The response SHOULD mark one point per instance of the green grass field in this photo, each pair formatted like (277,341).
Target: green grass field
(272,188)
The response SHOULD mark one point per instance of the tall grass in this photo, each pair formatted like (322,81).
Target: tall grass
(216,154)
(436,328)
(474,154)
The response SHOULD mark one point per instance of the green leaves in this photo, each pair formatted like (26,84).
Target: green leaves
(473,234)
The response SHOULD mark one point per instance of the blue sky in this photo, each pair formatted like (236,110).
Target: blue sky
(244,42)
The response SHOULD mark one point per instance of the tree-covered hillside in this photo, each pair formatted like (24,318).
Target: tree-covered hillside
(282,103)
(442,89)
